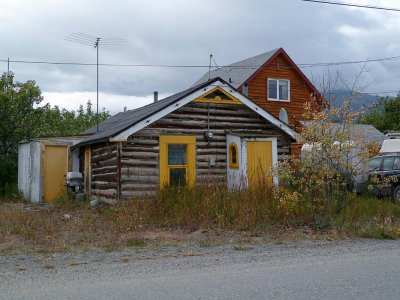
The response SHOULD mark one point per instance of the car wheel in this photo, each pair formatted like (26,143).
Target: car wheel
(396,194)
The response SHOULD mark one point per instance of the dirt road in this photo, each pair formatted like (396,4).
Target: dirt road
(357,269)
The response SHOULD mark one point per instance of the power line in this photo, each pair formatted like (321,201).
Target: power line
(304,65)
(348,62)
(353,5)
(103,64)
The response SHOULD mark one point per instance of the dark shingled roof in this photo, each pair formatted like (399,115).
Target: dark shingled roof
(240,71)
(123,120)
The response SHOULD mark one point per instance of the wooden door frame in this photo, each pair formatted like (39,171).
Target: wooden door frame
(274,141)
(87,167)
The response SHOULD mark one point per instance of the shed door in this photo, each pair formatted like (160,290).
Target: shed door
(259,161)
(55,169)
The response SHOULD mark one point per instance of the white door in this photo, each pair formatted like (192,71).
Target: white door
(234,163)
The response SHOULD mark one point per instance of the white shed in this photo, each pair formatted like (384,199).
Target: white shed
(42,166)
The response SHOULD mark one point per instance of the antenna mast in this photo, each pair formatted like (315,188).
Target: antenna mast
(92,41)
(209,67)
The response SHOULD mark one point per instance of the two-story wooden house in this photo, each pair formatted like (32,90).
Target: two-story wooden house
(273,81)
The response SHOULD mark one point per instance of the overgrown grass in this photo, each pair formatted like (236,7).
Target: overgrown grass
(67,225)
(9,192)
(370,218)
(215,207)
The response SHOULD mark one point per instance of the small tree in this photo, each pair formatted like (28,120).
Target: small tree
(17,122)
(385,115)
(334,156)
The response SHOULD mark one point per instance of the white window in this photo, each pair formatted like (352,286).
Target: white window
(278,89)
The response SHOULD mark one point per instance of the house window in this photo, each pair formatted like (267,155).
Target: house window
(177,160)
(177,164)
(233,156)
(278,89)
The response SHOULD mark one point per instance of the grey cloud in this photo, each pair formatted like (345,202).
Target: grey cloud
(185,33)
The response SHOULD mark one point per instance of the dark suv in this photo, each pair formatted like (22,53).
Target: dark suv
(383,167)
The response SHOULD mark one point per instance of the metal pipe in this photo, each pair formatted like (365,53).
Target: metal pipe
(97,85)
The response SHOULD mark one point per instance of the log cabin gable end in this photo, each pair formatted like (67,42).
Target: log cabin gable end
(217,95)
(218,88)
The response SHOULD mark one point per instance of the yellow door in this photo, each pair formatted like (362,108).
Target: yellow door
(88,171)
(259,161)
(55,169)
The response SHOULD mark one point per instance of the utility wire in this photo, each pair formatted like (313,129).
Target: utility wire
(304,65)
(353,5)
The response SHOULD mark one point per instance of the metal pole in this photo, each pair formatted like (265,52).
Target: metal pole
(97,86)
(209,67)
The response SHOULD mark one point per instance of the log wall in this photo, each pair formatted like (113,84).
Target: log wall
(104,162)
(139,157)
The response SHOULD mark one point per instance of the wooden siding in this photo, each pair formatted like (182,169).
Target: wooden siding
(295,150)
(300,93)
(139,157)
(104,162)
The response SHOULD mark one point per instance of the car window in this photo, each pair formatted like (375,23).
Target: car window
(374,164)
(388,163)
(396,163)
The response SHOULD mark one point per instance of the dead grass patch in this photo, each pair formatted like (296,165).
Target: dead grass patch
(48,265)
(202,217)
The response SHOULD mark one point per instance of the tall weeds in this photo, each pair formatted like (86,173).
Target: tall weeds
(63,226)
(215,206)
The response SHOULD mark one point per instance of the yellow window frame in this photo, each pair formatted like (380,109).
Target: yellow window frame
(232,164)
(190,142)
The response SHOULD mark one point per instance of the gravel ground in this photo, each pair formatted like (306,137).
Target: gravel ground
(72,275)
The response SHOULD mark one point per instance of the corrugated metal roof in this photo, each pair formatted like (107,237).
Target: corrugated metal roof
(369,132)
(123,120)
(240,71)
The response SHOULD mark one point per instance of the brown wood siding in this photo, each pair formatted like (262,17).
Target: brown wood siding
(300,93)
(295,150)
(140,155)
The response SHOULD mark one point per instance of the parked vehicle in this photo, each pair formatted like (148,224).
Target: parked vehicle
(386,166)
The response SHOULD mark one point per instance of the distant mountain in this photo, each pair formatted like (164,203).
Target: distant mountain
(337,97)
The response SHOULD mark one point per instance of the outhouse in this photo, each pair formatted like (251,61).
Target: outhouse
(42,166)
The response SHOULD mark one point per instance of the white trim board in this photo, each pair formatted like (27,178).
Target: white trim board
(123,136)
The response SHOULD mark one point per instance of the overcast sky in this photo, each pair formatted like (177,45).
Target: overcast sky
(183,32)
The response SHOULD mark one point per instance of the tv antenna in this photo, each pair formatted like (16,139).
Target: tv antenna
(96,42)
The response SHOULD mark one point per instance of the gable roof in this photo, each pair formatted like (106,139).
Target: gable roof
(245,70)
(119,122)
(122,125)
(237,73)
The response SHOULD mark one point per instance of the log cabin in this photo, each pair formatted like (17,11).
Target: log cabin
(208,133)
